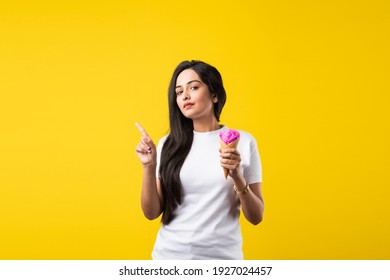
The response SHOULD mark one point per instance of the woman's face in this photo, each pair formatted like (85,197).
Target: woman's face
(193,96)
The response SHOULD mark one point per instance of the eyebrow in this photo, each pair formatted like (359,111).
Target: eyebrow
(189,83)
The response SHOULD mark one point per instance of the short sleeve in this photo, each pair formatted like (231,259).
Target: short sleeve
(159,149)
(253,173)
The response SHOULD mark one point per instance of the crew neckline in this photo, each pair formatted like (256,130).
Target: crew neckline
(211,132)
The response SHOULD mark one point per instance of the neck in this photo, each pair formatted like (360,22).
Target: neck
(206,125)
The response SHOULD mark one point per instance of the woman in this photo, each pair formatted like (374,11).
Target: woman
(183,177)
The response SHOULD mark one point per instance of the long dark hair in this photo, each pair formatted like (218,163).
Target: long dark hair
(179,141)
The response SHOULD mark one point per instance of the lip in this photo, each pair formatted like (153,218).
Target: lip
(188,105)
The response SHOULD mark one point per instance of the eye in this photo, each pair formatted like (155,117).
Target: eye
(194,88)
(179,92)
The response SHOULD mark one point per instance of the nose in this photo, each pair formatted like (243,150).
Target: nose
(185,95)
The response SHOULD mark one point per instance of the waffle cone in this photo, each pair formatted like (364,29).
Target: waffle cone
(223,146)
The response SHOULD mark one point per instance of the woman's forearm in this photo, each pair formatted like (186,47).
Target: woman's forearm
(251,200)
(252,206)
(150,199)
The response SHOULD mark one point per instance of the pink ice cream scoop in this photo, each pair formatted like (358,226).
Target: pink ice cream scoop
(229,136)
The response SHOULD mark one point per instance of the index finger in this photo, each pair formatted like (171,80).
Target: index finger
(142,130)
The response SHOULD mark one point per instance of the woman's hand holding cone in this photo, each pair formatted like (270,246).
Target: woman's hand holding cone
(230,161)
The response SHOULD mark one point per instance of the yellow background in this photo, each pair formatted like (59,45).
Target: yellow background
(309,79)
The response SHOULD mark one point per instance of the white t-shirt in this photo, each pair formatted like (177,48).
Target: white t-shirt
(206,223)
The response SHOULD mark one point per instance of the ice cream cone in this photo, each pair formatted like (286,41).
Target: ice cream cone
(223,146)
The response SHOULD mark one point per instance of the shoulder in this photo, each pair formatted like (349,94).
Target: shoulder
(163,139)
(246,137)
(247,144)
(161,142)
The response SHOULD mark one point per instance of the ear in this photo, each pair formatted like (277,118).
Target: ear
(215,98)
